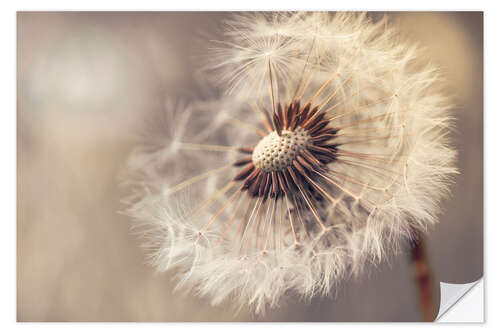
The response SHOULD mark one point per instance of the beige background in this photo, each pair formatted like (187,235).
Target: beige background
(86,79)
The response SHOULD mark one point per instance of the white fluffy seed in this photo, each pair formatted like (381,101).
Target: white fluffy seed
(275,153)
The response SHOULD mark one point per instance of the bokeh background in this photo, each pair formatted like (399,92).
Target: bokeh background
(85,80)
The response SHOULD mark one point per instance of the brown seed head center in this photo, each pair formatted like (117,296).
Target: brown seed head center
(275,152)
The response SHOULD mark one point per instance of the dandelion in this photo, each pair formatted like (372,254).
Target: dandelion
(330,148)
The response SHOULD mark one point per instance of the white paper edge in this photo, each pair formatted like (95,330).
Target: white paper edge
(461,302)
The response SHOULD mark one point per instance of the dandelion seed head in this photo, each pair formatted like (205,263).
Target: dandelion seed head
(329,150)
(276,152)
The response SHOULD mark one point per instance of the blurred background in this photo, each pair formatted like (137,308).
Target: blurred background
(84,81)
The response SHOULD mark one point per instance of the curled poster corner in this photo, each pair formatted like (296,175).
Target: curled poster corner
(451,293)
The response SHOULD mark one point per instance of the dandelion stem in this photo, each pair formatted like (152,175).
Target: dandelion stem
(423,278)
